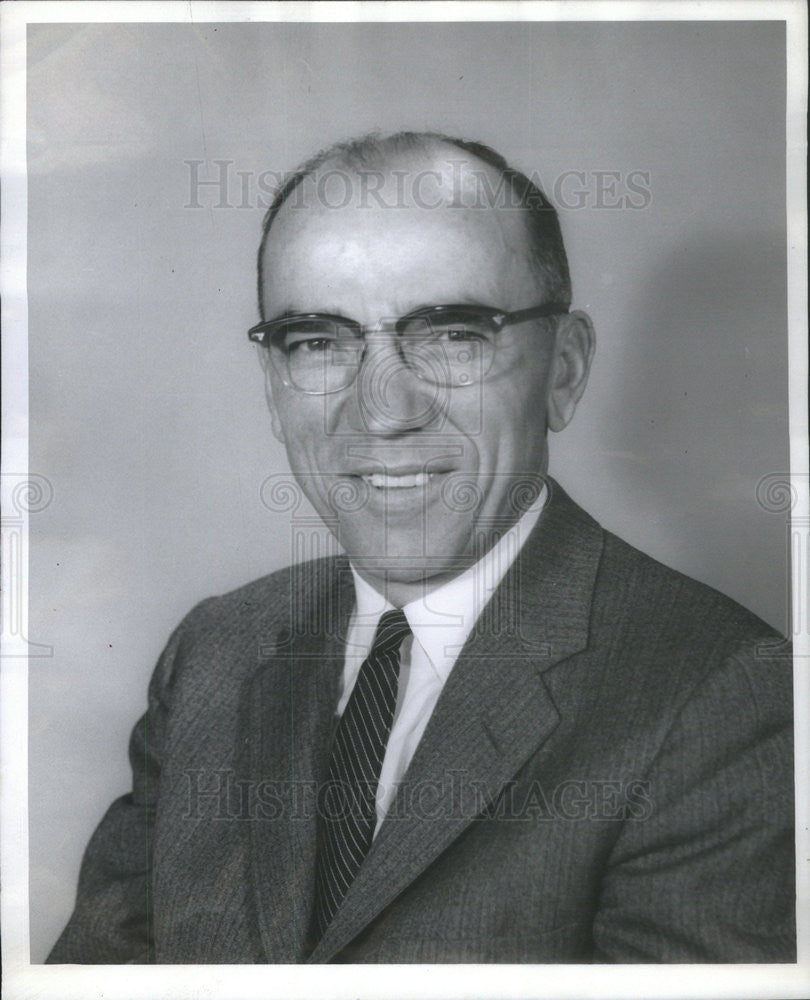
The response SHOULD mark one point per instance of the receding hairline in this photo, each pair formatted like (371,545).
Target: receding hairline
(384,155)
(438,159)
(375,151)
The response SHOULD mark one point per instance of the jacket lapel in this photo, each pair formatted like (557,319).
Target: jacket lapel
(493,714)
(293,697)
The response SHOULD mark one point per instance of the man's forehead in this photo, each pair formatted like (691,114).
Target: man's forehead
(443,189)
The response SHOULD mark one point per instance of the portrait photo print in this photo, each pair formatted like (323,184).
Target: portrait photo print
(409,505)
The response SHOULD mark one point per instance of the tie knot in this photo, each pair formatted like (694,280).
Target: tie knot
(392,628)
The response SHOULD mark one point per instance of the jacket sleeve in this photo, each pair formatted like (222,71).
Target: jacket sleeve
(708,875)
(111,921)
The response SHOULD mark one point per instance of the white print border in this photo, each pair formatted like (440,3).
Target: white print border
(507,982)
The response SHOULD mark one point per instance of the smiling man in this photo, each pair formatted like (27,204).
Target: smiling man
(492,732)
(416,350)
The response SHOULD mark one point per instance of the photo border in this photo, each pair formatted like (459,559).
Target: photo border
(291,982)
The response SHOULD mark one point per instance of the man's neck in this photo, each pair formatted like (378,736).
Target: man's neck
(402,592)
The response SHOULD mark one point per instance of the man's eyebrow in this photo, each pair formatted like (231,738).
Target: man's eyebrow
(458,300)
(292,313)
(448,301)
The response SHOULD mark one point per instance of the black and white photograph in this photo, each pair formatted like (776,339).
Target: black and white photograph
(405,500)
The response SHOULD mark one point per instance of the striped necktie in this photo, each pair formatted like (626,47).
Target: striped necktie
(348,814)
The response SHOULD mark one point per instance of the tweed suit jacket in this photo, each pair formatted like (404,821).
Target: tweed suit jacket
(607,776)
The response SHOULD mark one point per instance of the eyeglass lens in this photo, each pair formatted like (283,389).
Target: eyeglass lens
(323,356)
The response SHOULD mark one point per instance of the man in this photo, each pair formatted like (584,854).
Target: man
(493,733)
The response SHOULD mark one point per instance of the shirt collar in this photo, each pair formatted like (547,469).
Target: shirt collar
(442,620)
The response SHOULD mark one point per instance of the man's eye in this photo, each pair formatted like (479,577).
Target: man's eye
(308,345)
(462,333)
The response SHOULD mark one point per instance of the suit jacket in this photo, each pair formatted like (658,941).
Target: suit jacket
(607,776)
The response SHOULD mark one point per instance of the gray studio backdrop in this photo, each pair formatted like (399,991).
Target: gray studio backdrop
(147,409)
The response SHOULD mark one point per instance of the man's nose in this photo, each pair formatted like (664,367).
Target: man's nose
(390,397)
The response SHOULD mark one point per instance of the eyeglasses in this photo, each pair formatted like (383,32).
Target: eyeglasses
(454,345)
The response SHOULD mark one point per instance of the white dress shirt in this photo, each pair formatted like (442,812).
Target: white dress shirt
(441,623)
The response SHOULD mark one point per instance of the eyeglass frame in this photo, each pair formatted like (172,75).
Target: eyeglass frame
(260,333)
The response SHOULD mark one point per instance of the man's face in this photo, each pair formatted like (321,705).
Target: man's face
(414,478)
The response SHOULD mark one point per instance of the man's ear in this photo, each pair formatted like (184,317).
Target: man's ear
(269,394)
(574,347)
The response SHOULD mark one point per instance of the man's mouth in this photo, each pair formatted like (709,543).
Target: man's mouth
(406,481)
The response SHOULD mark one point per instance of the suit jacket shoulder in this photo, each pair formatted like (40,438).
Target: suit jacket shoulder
(247,625)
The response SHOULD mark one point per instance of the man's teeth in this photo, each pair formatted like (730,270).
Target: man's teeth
(384,481)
